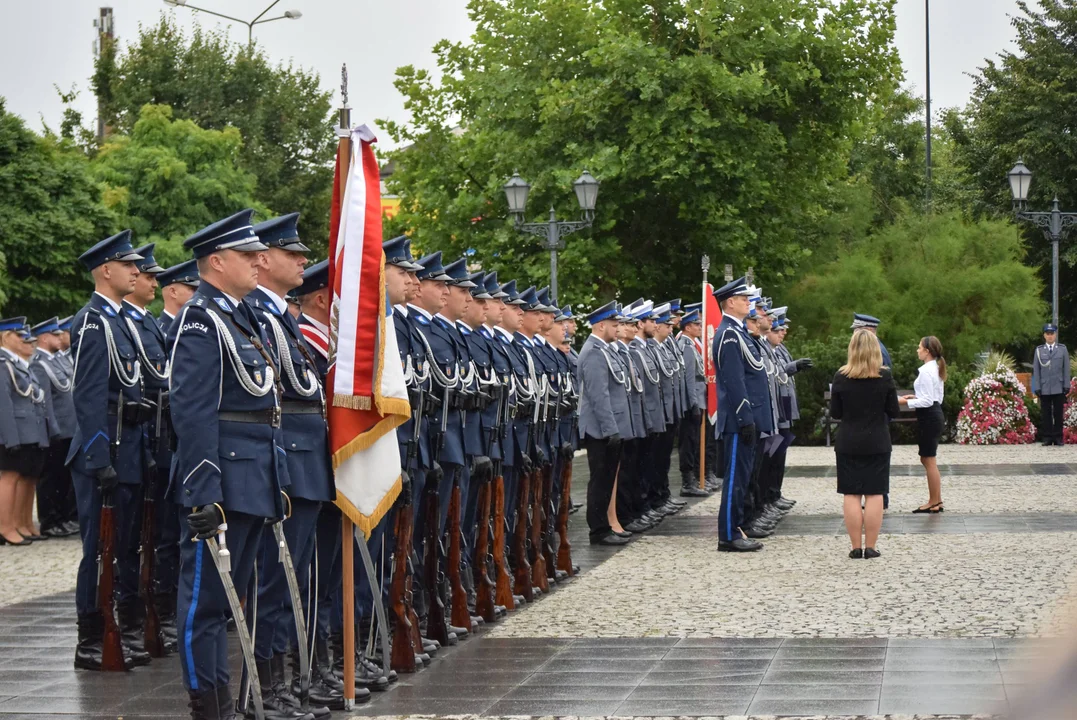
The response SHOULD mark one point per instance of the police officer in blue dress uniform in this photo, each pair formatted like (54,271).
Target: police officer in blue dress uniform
(743,409)
(177,284)
(149,341)
(107,382)
(306,444)
(63,356)
(229,467)
(55,493)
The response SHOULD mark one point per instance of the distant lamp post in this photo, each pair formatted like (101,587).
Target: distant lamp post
(1055,224)
(288,15)
(517,191)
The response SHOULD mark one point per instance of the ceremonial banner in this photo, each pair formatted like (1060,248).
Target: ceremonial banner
(714,319)
(369,398)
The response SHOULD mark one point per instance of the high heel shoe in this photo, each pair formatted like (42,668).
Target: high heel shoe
(21,543)
(30,538)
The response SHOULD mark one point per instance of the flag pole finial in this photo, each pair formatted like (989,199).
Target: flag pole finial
(344,114)
(706,263)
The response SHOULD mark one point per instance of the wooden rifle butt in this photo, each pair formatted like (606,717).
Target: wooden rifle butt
(484,588)
(564,550)
(459,610)
(538,513)
(111,645)
(403,657)
(522,576)
(436,622)
(502,580)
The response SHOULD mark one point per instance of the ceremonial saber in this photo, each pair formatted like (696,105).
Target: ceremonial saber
(379,606)
(297,612)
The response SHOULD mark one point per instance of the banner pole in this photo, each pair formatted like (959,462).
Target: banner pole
(706,263)
(347,530)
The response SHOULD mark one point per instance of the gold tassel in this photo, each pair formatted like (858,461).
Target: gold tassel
(354,402)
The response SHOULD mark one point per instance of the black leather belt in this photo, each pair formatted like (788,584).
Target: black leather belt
(301,407)
(269,416)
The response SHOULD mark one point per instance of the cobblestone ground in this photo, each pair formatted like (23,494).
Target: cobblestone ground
(44,568)
(948,454)
(961,494)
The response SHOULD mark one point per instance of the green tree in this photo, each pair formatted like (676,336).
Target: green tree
(718,126)
(1023,106)
(170,178)
(282,113)
(937,274)
(51,210)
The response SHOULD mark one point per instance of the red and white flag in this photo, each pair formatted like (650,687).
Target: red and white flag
(713,318)
(369,397)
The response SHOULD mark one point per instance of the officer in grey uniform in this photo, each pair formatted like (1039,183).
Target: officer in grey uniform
(55,493)
(629,491)
(1051,384)
(654,409)
(692,362)
(604,412)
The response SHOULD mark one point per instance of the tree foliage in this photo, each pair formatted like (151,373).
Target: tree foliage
(936,274)
(170,178)
(281,112)
(1024,106)
(51,210)
(717,126)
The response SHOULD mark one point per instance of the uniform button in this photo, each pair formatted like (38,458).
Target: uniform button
(293,444)
(188,492)
(231,454)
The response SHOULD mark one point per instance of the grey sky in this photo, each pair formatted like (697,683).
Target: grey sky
(50,42)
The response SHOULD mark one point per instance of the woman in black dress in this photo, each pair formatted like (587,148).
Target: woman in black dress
(864,399)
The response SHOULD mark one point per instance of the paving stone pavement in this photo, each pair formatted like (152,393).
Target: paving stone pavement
(945,624)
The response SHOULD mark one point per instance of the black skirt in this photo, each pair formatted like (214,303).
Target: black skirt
(27,460)
(863,474)
(929,422)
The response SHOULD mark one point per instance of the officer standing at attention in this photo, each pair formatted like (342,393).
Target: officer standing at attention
(177,284)
(228,464)
(692,360)
(157,459)
(306,445)
(628,494)
(743,409)
(603,406)
(63,356)
(53,372)
(107,382)
(1051,384)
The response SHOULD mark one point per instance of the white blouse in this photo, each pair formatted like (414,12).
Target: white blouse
(928,386)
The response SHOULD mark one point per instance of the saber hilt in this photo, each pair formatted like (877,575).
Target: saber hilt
(222,548)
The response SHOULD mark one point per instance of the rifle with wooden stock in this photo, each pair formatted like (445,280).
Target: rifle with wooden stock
(436,622)
(564,550)
(540,473)
(151,624)
(403,647)
(521,563)
(485,602)
(112,659)
(458,611)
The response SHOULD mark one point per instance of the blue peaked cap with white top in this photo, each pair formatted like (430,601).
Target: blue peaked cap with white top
(736,287)
(608,311)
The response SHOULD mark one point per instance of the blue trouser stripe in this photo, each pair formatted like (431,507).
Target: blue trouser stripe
(730,480)
(189,630)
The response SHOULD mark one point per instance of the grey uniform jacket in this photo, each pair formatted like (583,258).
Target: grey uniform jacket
(789,390)
(770,364)
(673,357)
(665,379)
(603,398)
(25,407)
(54,373)
(654,416)
(693,366)
(1051,370)
(635,390)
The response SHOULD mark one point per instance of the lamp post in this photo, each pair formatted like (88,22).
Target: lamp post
(553,230)
(1055,224)
(288,15)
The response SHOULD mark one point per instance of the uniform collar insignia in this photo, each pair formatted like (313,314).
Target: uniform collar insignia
(420,318)
(463,330)
(134,314)
(271,307)
(224,304)
(485,333)
(107,309)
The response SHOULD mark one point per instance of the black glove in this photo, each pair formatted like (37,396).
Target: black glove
(615,440)
(151,464)
(106,477)
(804,364)
(205,521)
(540,457)
(526,466)
(747,434)
(481,468)
(434,475)
(567,451)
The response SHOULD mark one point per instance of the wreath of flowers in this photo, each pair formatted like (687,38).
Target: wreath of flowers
(995,411)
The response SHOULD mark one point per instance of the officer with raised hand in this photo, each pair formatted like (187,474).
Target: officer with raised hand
(743,409)
(152,355)
(53,373)
(229,466)
(177,284)
(107,383)
(306,444)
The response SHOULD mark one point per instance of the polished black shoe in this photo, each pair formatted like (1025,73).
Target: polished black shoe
(653,517)
(72,526)
(677,503)
(285,694)
(460,632)
(757,532)
(376,669)
(130,621)
(625,535)
(670,509)
(275,707)
(870,553)
(88,650)
(610,539)
(739,545)
(693,491)
(856,553)
(638,526)
(55,531)
(205,705)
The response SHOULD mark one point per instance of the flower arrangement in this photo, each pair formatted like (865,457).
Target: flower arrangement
(994,411)
(1069,415)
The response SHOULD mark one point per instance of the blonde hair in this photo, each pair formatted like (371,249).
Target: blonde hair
(865,356)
